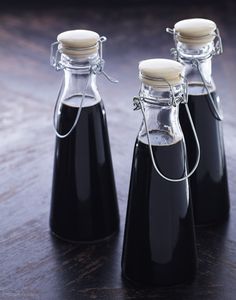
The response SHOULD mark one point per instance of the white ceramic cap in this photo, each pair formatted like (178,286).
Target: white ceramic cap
(195,31)
(78,43)
(157,72)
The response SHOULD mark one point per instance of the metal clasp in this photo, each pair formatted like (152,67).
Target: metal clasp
(173,51)
(96,68)
(217,50)
(218,46)
(138,103)
(100,66)
(54,56)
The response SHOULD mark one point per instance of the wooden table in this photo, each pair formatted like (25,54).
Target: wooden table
(35,265)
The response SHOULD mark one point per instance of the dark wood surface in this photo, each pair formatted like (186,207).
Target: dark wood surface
(35,265)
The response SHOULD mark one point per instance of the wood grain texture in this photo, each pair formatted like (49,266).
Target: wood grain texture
(35,265)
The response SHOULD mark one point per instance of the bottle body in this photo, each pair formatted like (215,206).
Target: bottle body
(159,244)
(84,205)
(209,184)
(159,241)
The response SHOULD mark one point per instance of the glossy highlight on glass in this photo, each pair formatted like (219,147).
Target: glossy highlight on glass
(209,185)
(84,204)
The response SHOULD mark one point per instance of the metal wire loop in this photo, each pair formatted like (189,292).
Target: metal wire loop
(218,43)
(101,41)
(217,50)
(217,114)
(54,56)
(95,68)
(138,103)
(56,108)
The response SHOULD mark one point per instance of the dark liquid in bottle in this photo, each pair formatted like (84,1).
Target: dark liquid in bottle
(84,204)
(159,242)
(209,186)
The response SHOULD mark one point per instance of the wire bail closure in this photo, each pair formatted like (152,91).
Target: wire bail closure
(173,100)
(96,68)
(54,56)
(218,115)
(138,103)
(217,50)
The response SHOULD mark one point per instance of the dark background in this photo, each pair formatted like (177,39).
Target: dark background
(34,265)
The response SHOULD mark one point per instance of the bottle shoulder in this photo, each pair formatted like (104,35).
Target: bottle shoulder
(75,101)
(197,88)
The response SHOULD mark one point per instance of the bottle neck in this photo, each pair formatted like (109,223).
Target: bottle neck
(198,66)
(161,117)
(78,79)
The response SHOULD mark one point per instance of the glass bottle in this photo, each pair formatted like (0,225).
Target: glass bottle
(197,41)
(159,241)
(84,203)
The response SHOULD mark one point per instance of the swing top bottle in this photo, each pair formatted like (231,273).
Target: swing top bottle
(84,204)
(159,242)
(196,42)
